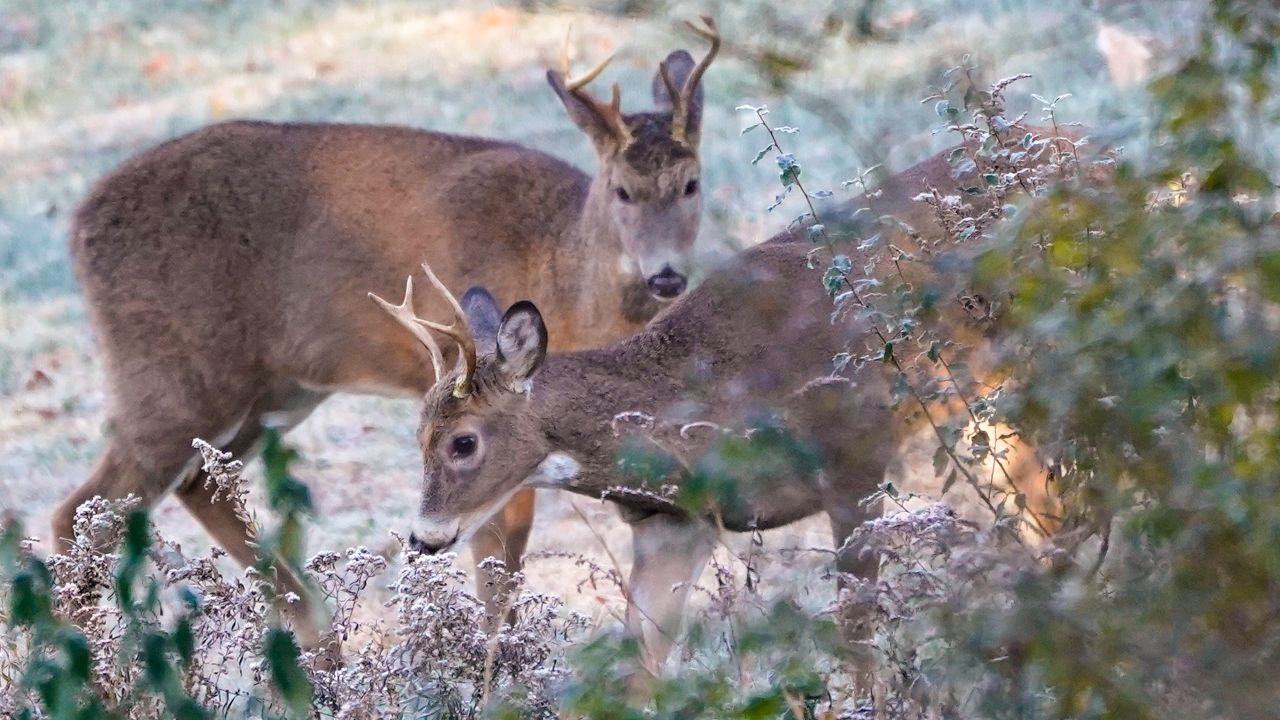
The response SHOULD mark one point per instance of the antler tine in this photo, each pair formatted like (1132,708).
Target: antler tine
(403,314)
(459,330)
(710,32)
(564,54)
(680,117)
(611,114)
(581,82)
(574,85)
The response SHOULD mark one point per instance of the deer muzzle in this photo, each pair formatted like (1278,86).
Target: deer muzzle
(667,284)
(431,537)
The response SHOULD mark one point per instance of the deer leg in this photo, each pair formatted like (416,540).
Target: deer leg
(853,564)
(854,611)
(115,476)
(229,531)
(669,554)
(504,538)
(118,474)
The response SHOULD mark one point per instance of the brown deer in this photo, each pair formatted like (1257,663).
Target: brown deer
(746,355)
(224,270)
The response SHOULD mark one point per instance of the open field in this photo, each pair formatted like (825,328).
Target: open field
(85,85)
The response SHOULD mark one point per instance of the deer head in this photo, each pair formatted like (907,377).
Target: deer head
(480,439)
(646,190)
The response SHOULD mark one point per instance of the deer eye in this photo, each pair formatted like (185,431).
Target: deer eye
(462,446)
(691,187)
(623,195)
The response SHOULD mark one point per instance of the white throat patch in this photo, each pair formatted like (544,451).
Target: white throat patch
(557,470)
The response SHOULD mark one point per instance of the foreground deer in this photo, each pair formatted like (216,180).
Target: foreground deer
(745,356)
(224,270)
(748,350)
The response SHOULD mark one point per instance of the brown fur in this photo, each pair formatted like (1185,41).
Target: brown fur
(652,148)
(755,336)
(226,274)
(754,339)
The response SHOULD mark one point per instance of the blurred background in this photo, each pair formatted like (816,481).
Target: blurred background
(86,84)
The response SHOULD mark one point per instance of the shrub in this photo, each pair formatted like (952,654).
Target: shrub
(159,634)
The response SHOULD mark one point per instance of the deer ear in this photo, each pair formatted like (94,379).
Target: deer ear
(678,65)
(583,114)
(522,343)
(484,316)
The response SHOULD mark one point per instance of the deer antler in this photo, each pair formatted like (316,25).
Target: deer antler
(682,99)
(611,113)
(459,330)
(403,313)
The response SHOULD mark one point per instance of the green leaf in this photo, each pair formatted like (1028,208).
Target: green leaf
(941,458)
(30,600)
(790,175)
(287,676)
(184,640)
(79,657)
(155,659)
(285,494)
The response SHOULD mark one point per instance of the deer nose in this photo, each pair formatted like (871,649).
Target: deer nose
(430,547)
(667,284)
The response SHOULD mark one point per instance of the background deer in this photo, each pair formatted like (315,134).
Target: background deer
(224,270)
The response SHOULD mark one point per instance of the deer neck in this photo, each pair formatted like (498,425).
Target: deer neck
(593,270)
(579,398)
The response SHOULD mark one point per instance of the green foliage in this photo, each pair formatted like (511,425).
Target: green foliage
(59,669)
(289,499)
(287,675)
(1142,331)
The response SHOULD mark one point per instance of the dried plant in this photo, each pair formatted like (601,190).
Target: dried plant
(430,658)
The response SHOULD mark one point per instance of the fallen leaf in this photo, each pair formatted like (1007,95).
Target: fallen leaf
(157,65)
(38,379)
